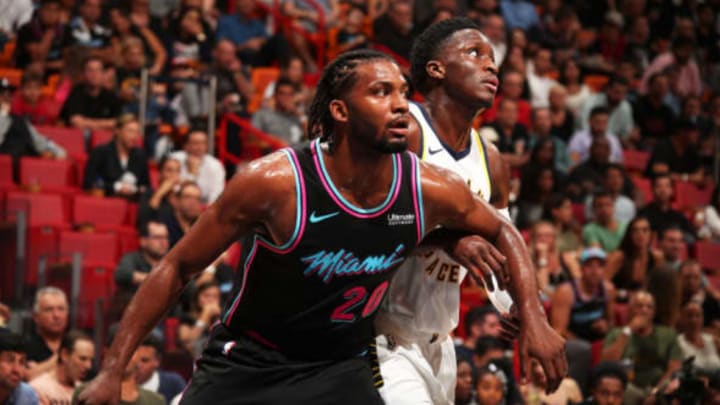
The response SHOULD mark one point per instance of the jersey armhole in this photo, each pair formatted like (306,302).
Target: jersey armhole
(417,198)
(300,209)
(486,161)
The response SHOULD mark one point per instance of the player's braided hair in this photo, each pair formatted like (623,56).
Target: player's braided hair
(427,45)
(336,79)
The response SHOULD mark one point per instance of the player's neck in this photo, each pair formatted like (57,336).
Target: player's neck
(451,119)
(358,170)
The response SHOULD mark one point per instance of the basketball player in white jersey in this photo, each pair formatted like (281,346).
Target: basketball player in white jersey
(452,65)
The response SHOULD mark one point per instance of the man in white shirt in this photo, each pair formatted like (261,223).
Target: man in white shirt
(579,146)
(538,81)
(198,166)
(620,121)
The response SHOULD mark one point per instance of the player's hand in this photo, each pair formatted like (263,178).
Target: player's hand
(482,259)
(103,389)
(540,341)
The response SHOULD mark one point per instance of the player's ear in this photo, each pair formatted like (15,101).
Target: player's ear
(338,110)
(435,69)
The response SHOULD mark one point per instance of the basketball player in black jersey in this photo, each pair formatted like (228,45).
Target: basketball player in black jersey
(324,225)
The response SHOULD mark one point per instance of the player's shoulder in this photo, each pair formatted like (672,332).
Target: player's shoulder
(270,175)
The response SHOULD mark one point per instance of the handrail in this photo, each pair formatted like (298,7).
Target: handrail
(250,150)
(318,38)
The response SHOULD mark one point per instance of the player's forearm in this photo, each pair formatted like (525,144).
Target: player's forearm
(156,294)
(523,282)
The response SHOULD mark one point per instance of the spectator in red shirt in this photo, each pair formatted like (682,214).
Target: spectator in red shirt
(511,87)
(31,104)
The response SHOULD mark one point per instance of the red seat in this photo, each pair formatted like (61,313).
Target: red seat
(100,137)
(45,218)
(578,210)
(100,211)
(689,196)
(71,139)
(635,160)
(47,172)
(95,247)
(708,254)
(6,169)
(644,187)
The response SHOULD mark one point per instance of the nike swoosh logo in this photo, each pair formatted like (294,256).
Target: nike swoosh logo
(314,219)
(432,152)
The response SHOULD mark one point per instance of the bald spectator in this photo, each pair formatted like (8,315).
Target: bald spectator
(13,391)
(75,360)
(197,165)
(50,316)
(652,350)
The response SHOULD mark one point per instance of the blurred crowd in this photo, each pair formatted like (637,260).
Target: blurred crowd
(607,113)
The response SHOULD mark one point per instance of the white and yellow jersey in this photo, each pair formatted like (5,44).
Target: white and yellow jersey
(424,296)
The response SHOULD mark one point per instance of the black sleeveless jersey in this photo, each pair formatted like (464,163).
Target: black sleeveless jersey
(315,297)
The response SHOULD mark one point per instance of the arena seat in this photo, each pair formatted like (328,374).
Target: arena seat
(688,196)
(644,186)
(95,247)
(107,215)
(6,182)
(14,76)
(47,173)
(100,137)
(71,139)
(261,77)
(635,161)
(708,254)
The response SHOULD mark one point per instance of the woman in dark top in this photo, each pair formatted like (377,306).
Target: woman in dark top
(563,120)
(204,311)
(629,266)
(154,202)
(535,189)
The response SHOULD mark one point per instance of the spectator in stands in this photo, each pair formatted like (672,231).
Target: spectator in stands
(614,182)
(90,106)
(637,47)
(671,245)
(234,87)
(5,315)
(12,371)
(191,38)
(695,289)
(660,212)
(652,350)
(283,121)
(123,27)
(465,386)
(558,210)
(519,14)
(511,87)
(134,267)
(678,155)
(50,316)
(14,16)
(535,190)
(553,267)
(538,80)
(248,33)
(189,99)
(394,28)
(567,393)
(200,167)
(18,137)
(493,27)
(542,129)
(351,35)
(609,47)
(562,118)
(148,374)
(609,381)
(85,30)
(492,385)
(508,134)
(75,359)
(695,343)
(306,17)
(620,115)
(579,145)
(153,204)
(629,265)
(588,176)
(188,206)
(119,168)
(680,56)
(487,348)
(195,325)
(571,77)
(652,115)
(40,39)
(583,308)
(479,321)
(605,231)
(291,68)
(131,393)
(710,217)
(30,103)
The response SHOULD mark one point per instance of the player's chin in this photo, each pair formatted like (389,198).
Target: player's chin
(393,144)
(485,98)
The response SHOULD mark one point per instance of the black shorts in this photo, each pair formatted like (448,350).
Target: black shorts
(241,371)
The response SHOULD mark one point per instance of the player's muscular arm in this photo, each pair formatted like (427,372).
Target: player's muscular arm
(449,203)
(252,200)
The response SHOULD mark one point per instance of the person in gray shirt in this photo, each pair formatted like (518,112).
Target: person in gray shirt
(282,119)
